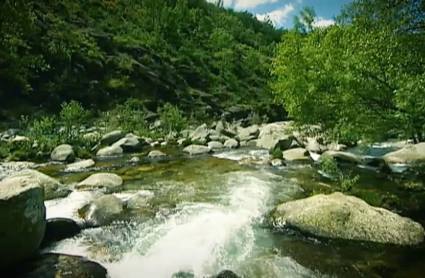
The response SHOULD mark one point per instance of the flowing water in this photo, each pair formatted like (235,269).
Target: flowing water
(208,214)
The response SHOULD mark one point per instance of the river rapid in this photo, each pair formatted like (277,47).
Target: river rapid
(209,213)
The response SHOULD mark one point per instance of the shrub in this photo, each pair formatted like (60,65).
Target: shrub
(129,117)
(346,182)
(172,118)
(277,153)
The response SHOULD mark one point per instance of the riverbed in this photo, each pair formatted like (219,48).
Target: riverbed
(209,213)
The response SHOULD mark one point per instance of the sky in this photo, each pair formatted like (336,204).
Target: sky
(281,12)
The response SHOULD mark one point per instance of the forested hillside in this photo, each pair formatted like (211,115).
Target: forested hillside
(191,53)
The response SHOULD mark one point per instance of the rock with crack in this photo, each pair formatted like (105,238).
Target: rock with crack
(347,217)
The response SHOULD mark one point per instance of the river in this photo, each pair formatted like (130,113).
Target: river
(207,214)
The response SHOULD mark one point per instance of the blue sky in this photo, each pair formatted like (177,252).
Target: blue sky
(281,12)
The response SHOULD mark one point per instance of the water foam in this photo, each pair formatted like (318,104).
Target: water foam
(202,238)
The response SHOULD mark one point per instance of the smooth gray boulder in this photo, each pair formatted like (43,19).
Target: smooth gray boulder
(52,188)
(231,144)
(104,182)
(112,137)
(110,151)
(200,133)
(196,149)
(343,157)
(128,144)
(22,218)
(249,133)
(63,153)
(156,154)
(275,135)
(104,210)
(297,154)
(347,217)
(214,145)
(410,154)
(81,164)
(58,229)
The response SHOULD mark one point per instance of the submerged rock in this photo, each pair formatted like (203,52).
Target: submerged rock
(110,151)
(52,188)
(81,164)
(226,274)
(112,137)
(53,265)
(102,211)
(58,229)
(413,154)
(346,217)
(196,149)
(156,154)
(63,153)
(104,182)
(22,219)
(140,200)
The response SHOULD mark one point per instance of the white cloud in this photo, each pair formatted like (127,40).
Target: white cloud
(226,3)
(278,17)
(245,4)
(321,22)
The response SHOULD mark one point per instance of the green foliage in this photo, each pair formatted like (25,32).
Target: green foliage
(172,118)
(330,167)
(277,153)
(99,52)
(129,117)
(363,78)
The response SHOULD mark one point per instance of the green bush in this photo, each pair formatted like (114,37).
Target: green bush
(172,118)
(346,182)
(129,117)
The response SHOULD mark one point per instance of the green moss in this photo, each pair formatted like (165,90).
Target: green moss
(277,154)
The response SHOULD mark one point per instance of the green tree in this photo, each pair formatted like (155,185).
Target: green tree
(363,78)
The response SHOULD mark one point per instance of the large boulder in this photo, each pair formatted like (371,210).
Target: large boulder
(22,218)
(81,164)
(128,144)
(313,145)
(110,151)
(215,145)
(63,153)
(231,144)
(297,154)
(112,137)
(53,265)
(249,133)
(347,217)
(201,133)
(58,229)
(52,188)
(275,135)
(102,211)
(343,157)
(104,182)
(411,154)
(196,149)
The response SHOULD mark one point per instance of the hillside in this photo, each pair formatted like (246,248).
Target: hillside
(197,55)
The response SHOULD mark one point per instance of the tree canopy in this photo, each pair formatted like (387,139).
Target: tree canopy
(362,78)
(187,52)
